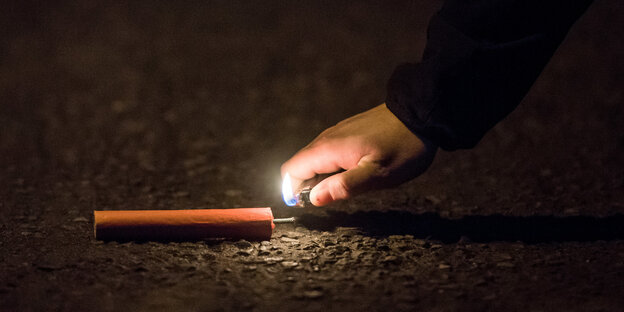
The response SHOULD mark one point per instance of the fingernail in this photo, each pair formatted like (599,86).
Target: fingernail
(314,196)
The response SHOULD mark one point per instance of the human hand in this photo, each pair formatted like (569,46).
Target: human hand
(375,150)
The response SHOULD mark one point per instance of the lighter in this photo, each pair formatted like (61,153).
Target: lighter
(301,199)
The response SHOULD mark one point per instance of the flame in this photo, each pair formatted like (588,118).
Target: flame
(287,192)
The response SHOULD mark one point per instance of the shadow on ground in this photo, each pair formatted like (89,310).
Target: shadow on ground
(531,229)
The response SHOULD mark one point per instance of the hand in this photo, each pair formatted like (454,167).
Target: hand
(374,148)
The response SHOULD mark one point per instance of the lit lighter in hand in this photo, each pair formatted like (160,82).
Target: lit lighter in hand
(300,199)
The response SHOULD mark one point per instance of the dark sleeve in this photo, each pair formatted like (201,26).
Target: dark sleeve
(480,60)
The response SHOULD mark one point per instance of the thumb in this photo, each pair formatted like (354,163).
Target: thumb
(344,185)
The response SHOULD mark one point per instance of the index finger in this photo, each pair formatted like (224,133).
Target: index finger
(311,161)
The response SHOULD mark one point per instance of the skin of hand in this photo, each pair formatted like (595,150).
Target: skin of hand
(371,150)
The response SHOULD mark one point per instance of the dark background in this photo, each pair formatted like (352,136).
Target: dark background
(195,104)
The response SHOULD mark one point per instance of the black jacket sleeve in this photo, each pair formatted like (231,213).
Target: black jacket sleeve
(481,58)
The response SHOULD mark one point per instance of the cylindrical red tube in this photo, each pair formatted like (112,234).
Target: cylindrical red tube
(189,224)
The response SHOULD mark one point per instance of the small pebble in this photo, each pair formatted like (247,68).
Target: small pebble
(391,259)
(271,260)
(80,219)
(290,264)
(245,253)
(292,234)
(243,244)
(264,250)
(250,268)
(420,242)
(312,294)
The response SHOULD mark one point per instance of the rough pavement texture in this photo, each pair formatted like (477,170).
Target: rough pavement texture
(170,105)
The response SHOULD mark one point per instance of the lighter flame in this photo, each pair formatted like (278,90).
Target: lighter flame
(287,192)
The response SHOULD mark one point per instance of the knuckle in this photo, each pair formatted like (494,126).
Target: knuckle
(381,172)
(322,139)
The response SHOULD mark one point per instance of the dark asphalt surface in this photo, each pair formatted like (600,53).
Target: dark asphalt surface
(173,105)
